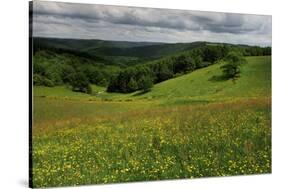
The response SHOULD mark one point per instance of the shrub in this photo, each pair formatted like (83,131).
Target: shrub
(39,80)
(89,89)
(47,82)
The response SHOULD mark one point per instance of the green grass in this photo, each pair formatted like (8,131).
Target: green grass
(255,81)
(49,109)
(57,92)
(190,126)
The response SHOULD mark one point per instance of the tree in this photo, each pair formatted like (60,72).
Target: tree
(232,70)
(39,80)
(54,72)
(198,61)
(80,82)
(163,73)
(146,83)
(267,51)
(213,53)
(67,72)
(113,84)
(132,85)
(235,57)
(184,64)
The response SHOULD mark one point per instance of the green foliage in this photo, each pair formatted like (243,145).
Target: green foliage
(80,82)
(53,73)
(146,84)
(67,72)
(119,53)
(89,89)
(184,64)
(57,60)
(58,68)
(130,80)
(37,80)
(235,57)
(41,80)
(257,51)
(163,69)
(133,85)
(232,69)
(212,53)
(163,72)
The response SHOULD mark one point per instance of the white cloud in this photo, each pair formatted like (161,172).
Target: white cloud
(68,20)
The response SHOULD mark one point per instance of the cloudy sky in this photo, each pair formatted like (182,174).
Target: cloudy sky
(84,21)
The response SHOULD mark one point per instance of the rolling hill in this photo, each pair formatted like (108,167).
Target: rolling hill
(201,85)
(114,52)
(206,83)
(119,53)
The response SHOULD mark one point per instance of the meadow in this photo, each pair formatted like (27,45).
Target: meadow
(195,125)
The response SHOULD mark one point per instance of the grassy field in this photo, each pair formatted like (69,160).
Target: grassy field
(195,125)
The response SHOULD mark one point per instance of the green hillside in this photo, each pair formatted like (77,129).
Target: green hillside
(203,84)
(116,48)
(149,51)
(206,83)
(84,44)
(114,52)
(125,67)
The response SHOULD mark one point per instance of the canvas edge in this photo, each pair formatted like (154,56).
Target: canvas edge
(30,94)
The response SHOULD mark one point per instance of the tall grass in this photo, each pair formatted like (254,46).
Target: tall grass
(153,144)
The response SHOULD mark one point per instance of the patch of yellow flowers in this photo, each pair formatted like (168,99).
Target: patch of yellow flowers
(155,146)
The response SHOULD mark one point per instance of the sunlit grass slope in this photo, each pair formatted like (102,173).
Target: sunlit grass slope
(206,83)
(203,84)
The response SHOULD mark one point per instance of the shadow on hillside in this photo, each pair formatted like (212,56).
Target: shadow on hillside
(140,93)
(217,78)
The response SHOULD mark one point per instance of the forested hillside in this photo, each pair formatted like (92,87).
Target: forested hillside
(123,66)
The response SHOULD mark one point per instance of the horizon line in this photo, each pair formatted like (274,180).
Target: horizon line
(152,41)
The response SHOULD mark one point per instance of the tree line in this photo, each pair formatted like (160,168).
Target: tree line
(143,77)
(52,67)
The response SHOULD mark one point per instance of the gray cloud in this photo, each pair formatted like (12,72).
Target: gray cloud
(52,19)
